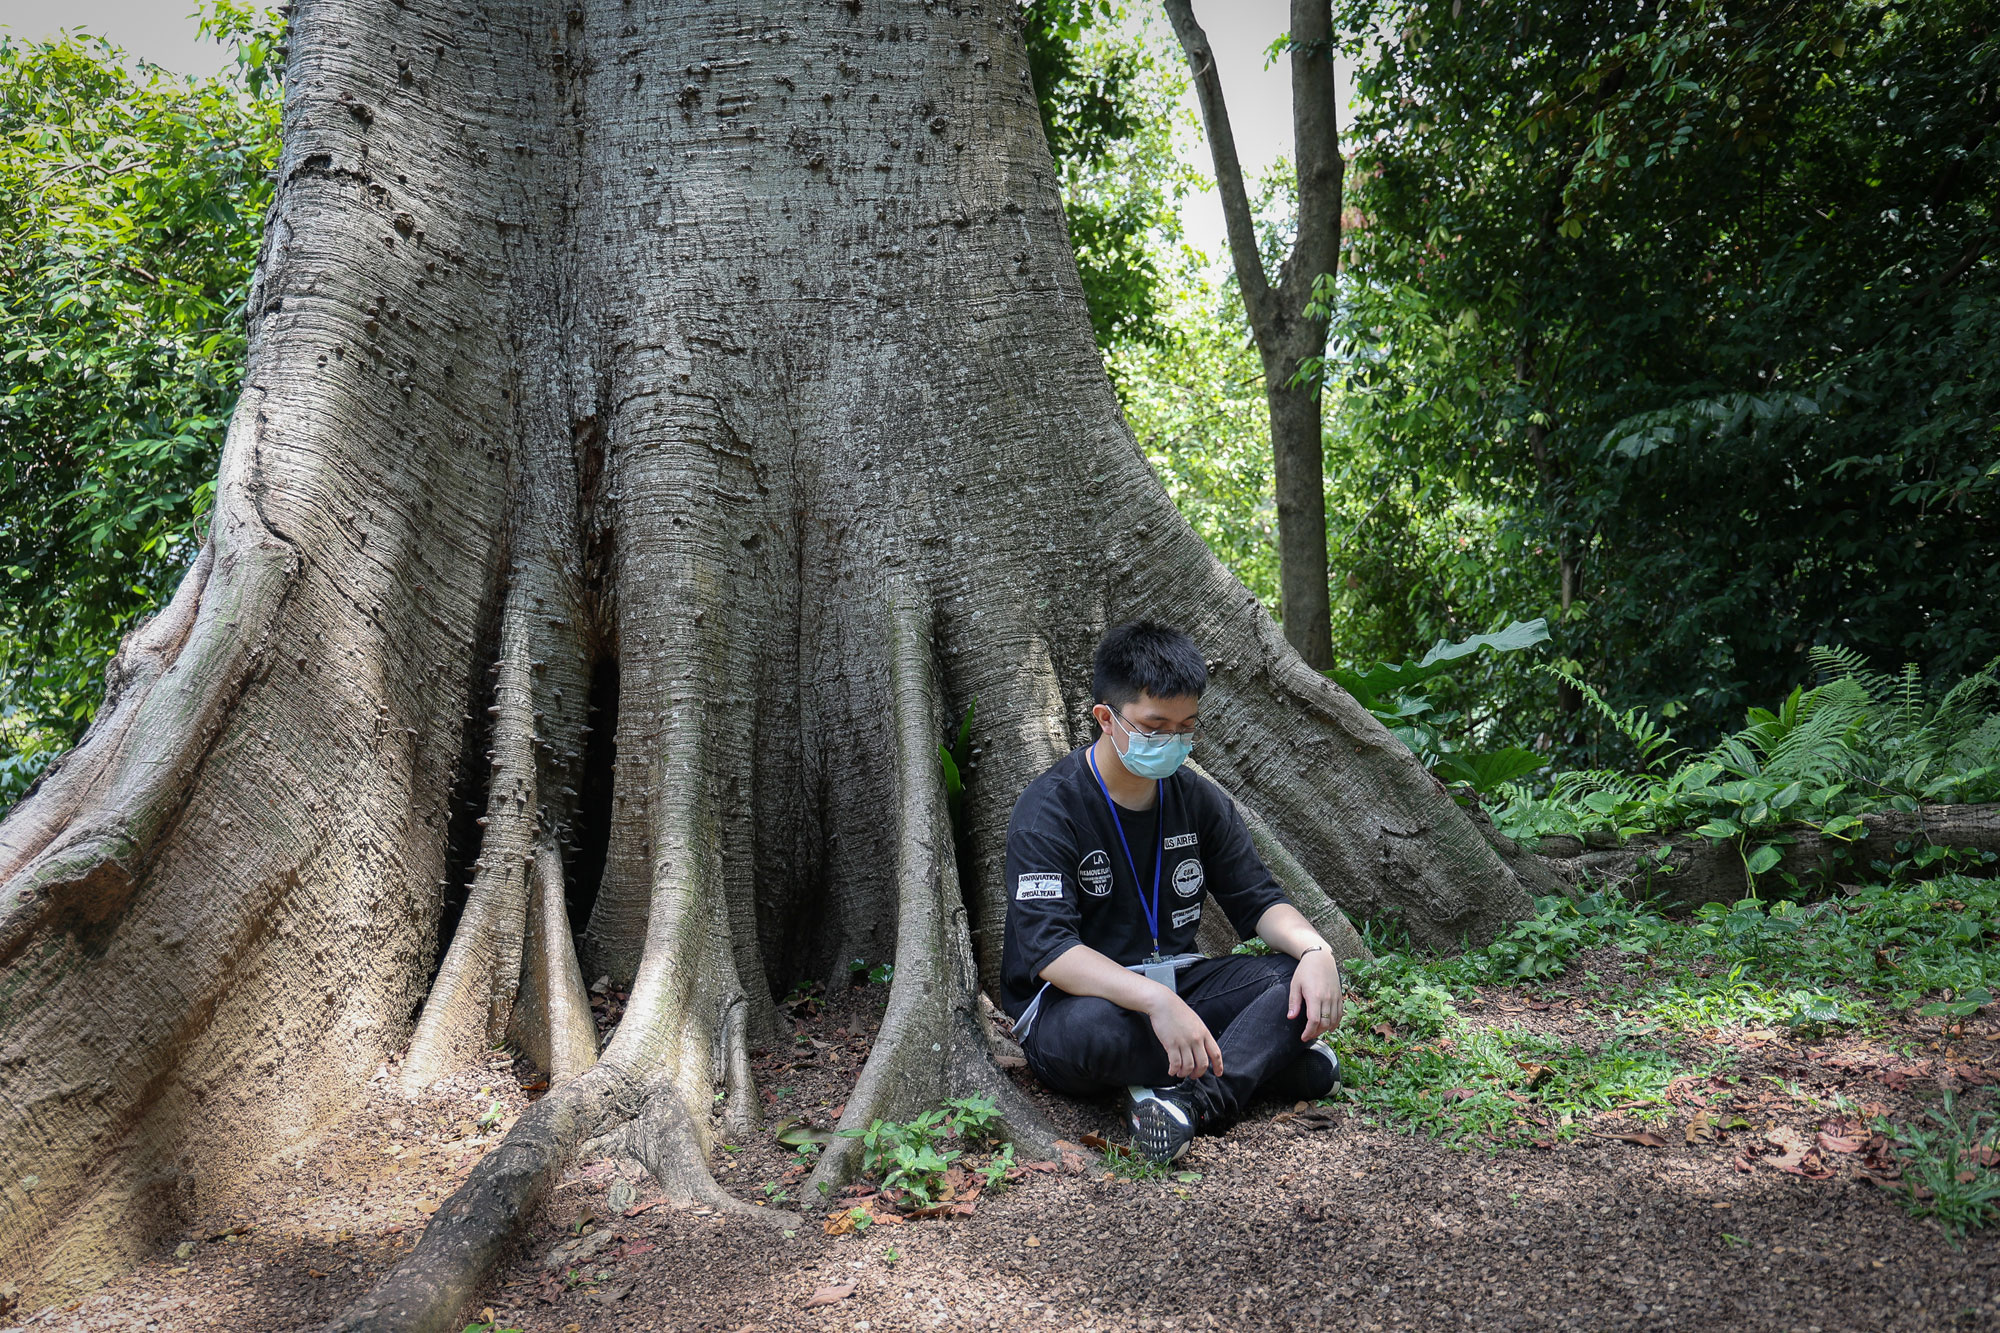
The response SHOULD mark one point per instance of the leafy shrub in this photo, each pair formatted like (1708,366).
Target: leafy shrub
(1399,697)
(1860,741)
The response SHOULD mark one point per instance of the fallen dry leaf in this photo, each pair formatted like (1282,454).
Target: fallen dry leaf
(1032,1243)
(1841,1142)
(1701,1129)
(1095,1141)
(1758,1036)
(1643,1138)
(831,1295)
(1315,1119)
(1794,1156)
(1537,1074)
(1460,1094)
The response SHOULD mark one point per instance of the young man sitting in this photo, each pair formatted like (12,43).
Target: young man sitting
(1108,856)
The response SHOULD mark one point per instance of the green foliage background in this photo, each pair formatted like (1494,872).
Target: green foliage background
(131,203)
(1701,294)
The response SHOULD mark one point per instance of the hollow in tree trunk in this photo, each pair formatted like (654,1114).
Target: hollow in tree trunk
(662,422)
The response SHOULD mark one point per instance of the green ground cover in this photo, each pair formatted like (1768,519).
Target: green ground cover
(1652,998)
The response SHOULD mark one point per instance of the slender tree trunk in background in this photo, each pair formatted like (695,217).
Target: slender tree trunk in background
(662,420)
(1287,337)
(1548,474)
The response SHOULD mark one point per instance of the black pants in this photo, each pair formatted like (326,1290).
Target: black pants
(1083,1046)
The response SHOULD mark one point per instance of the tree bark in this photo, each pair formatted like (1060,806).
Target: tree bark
(661,423)
(1289,338)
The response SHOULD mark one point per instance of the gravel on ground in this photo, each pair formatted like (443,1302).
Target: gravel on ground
(1293,1222)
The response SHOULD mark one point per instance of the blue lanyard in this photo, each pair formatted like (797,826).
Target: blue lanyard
(1151,909)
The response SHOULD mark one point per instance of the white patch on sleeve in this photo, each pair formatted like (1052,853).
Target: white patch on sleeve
(1187,914)
(1188,878)
(1180,840)
(1038,886)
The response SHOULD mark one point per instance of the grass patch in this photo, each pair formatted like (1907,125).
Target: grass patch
(1508,1088)
(1810,971)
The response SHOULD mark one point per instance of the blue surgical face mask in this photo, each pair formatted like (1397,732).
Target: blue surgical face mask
(1151,755)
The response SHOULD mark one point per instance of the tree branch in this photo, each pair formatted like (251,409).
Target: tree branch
(1228,170)
(1316,147)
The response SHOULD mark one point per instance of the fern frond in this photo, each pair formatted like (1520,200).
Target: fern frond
(1651,739)
(1837,663)
(1819,747)
(1910,699)
(1577,783)
(1968,705)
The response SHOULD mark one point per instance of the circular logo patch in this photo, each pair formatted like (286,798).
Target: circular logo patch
(1093,872)
(1188,878)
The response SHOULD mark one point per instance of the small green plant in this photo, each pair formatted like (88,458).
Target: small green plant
(1948,1172)
(863,974)
(890,1256)
(493,1115)
(912,1157)
(489,1328)
(1538,947)
(1126,1164)
(1959,1006)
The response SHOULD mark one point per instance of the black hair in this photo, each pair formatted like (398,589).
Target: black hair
(1145,658)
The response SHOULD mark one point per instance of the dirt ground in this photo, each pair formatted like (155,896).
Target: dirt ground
(1301,1222)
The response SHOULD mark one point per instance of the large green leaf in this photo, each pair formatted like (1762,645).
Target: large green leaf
(1485,772)
(1521,634)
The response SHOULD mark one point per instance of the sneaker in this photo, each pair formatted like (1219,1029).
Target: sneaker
(1312,1076)
(1162,1124)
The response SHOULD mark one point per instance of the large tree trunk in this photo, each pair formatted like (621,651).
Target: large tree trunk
(662,421)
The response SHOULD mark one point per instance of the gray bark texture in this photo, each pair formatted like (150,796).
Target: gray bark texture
(662,421)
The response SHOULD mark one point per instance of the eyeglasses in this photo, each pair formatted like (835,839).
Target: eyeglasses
(1191,732)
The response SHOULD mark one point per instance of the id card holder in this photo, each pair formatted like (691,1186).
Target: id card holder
(1162,973)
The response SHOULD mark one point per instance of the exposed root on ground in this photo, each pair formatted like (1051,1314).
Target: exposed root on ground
(663,1140)
(78,844)
(539,668)
(932,1043)
(551,1020)
(475,1228)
